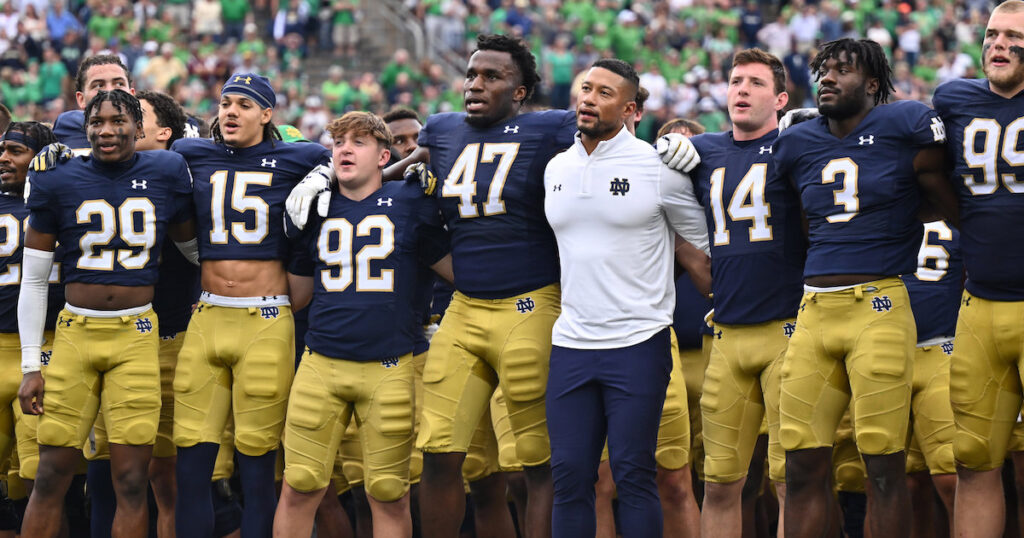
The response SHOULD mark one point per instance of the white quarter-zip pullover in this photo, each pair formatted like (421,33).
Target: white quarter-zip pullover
(613,213)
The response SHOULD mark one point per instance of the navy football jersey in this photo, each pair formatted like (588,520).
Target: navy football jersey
(70,131)
(935,289)
(425,277)
(688,318)
(240,193)
(13,216)
(365,258)
(755,229)
(491,193)
(111,218)
(860,193)
(987,153)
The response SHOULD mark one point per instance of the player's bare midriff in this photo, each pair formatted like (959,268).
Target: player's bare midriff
(107,297)
(244,278)
(829,281)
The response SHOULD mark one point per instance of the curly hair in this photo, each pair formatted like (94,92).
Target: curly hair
(39,132)
(859,52)
(400,113)
(168,112)
(521,56)
(122,100)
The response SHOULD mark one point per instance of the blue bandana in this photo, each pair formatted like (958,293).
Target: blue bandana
(22,138)
(252,86)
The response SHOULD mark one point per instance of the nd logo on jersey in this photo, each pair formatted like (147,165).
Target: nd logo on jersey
(143,325)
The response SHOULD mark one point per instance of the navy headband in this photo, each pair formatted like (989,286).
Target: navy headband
(24,139)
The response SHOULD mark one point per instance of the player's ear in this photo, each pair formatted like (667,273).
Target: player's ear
(385,156)
(873,86)
(164,134)
(519,95)
(80,99)
(630,110)
(139,133)
(265,115)
(781,100)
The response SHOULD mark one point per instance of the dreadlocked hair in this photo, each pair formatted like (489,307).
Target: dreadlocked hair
(122,100)
(860,52)
(40,132)
(168,112)
(520,54)
(270,132)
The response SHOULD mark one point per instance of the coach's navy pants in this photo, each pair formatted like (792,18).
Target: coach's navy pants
(618,393)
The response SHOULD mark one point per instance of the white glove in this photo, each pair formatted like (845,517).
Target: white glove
(314,186)
(797,115)
(677,152)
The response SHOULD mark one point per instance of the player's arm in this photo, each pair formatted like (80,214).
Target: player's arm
(682,208)
(184,236)
(939,197)
(396,171)
(37,258)
(300,290)
(696,263)
(443,268)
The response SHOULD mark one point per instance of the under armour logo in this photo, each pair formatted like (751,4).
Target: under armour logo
(246,80)
(867,140)
(557,188)
(881,304)
(383,201)
(139,184)
(802,305)
(525,305)
(938,130)
(511,129)
(66,322)
(619,187)
(966,301)
(388,363)
(269,163)
(788,329)
(718,334)
(947,348)
(44,357)
(143,325)
(765,149)
(269,312)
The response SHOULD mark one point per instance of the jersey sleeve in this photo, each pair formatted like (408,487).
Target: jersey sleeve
(683,209)
(924,126)
(41,202)
(433,242)
(566,133)
(183,207)
(426,137)
(300,245)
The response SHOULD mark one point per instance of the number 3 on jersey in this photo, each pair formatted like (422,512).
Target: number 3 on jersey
(340,256)
(747,203)
(461,181)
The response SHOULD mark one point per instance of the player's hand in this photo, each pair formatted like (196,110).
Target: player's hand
(421,172)
(50,156)
(797,115)
(677,152)
(317,182)
(30,394)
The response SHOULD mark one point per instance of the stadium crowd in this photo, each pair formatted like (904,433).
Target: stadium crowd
(682,48)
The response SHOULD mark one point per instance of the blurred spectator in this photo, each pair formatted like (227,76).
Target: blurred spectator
(314,118)
(178,11)
(399,64)
(910,43)
(232,14)
(164,69)
(54,76)
(206,18)
(751,22)
(558,63)
(344,30)
(59,22)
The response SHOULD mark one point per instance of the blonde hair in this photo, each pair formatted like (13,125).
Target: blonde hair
(361,123)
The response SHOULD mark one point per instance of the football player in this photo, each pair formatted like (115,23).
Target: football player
(18,146)
(238,353)
(177,288)
(860,170)
(100,72)
(112,220)
(754,221)
(983,121)
(935,291)
(359,353)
